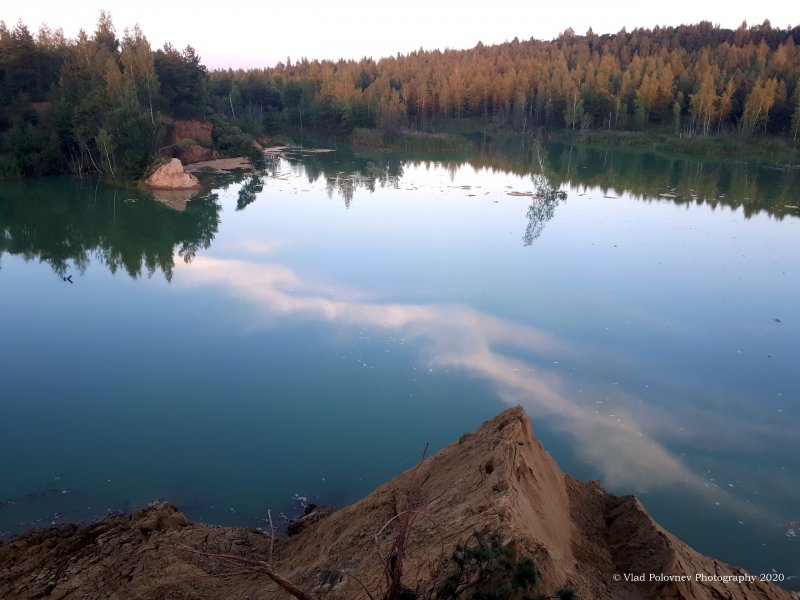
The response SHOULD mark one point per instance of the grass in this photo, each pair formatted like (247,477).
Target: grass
(465,135)
(282,140)
(410,140)
(9,169)
(722,146)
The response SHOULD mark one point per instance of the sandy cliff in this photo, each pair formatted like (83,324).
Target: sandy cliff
(497,479)
(190,141)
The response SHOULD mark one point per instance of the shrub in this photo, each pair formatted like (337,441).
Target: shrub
(485,569)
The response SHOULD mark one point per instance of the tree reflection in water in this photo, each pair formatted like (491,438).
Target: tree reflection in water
(249,191)
(547,197)
(66,222)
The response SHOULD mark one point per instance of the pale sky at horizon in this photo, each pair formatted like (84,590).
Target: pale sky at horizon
(260,35)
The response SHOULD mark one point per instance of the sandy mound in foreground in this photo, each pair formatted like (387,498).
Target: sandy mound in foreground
(497,479)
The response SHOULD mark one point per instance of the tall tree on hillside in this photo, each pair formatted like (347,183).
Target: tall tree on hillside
(103,102)
(574,113)
(725,104)
(183,81)
(83,98)
(758,104)
(796,114)
(646,96)
(105,34)
(704,104)
(23,65)
(138,67)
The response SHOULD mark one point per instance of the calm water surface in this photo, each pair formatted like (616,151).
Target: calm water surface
(301,334)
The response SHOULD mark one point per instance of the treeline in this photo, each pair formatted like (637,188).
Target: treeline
(93,103)
(692,79)
(100,103)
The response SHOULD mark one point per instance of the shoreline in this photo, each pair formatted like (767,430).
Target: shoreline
(729,147)
(498,479)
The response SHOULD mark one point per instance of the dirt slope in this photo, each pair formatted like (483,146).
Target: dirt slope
(496,479)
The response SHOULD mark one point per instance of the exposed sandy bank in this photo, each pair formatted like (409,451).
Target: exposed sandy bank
(222,164)
(171,176)
(497,479)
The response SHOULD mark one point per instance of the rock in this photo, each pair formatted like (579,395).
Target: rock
(171,176)
(158,518)
(148,525)
(174,521)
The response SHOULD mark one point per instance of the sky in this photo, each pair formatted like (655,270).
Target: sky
(260,34)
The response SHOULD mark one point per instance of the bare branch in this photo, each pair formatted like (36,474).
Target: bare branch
(394,562)
(359,582)
(271,536)
(256,565)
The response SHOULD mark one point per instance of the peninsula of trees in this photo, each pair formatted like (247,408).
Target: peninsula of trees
(100,103)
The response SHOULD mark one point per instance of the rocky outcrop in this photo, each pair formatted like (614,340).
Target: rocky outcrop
(171,176)
(498,479)
(125,557)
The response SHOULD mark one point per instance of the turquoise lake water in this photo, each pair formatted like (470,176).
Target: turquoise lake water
(300,335)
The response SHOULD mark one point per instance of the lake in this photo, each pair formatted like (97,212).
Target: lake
(299,335)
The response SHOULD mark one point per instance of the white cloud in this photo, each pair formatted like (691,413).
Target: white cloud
(460,337)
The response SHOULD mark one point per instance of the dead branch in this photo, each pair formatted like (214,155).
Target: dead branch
(256,565)
(394,561)
(359,582)
(271,537)
(434,568)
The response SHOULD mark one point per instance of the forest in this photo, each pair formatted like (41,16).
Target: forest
(692,79)
(101,103)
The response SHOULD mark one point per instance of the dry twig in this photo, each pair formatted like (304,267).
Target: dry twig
(394,561)
(255,565)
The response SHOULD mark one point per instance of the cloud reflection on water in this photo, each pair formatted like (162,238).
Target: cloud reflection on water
(458,336)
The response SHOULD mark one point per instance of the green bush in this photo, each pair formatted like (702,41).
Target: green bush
(9,169)
(229,139)
(483,568)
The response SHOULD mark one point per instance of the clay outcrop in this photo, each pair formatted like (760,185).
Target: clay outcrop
(199,131)
(191,141)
